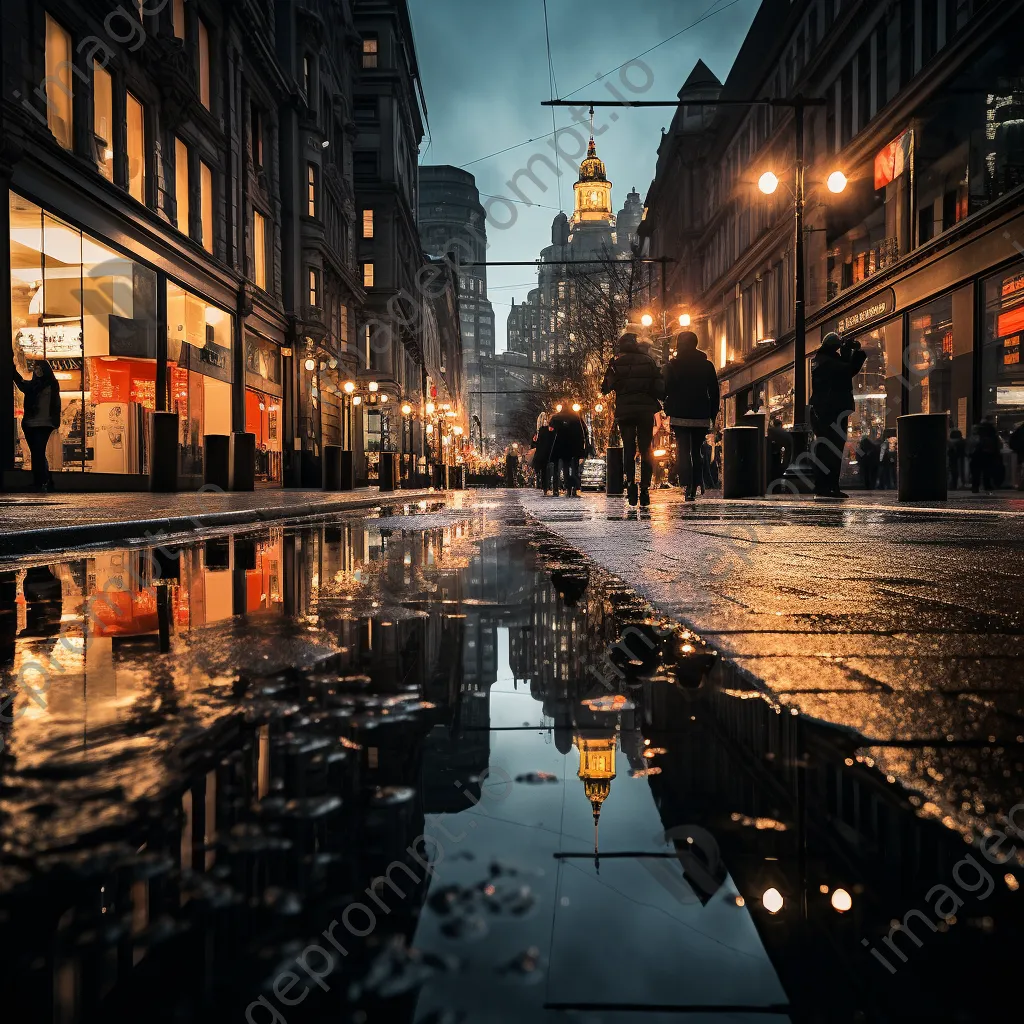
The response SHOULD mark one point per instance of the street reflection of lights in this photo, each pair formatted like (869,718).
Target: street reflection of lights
(1011,881)
(740,901)
(357,400)
(823,889)
(647,319)
(430,408)
(457,431)
(310,364)
(576,406)
(430,429)
(407,409)
(841,901)
(558,408)
(654,751)
(383,398)
(772,901)
(599,407)
(660,453)
(768,183)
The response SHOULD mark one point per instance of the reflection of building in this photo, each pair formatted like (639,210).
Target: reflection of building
(923,115)
(597,768)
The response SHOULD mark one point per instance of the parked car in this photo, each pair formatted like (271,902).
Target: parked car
(594,474)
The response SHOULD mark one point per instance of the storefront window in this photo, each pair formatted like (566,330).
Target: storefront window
(263,418)
(91,312)
(199,342)
(781,394)
(929,357)
(1002,373)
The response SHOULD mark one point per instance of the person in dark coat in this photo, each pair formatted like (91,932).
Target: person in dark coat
(869,454)
(1016,443)
(833,368)
(542,442)
(692,400)
(567,448)
(638,384)
(986,451)
(956,451)
(41,418)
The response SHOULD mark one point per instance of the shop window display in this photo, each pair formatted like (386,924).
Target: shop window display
(263,418)
(929,357)
(1001,367)
(199,341)
(91,312)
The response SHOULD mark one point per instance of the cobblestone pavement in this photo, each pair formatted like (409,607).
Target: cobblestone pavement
(901,624)
(54,521)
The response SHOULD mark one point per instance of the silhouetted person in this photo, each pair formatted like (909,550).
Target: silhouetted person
(778,450)
(542,451)
(985,450)
(567,448)
(638,385)
(887,461)
(692,400)
(41,417)
(833,368)
(869,454)
(956,452)
(1016,443)
(44,602)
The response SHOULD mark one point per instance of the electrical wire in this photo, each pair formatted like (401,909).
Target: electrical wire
(522,202)
(552,93)
(518,145)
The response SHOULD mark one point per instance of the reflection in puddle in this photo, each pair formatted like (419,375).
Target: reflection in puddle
(430,767)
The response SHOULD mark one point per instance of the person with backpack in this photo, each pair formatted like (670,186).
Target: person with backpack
(692,401)
(638,384)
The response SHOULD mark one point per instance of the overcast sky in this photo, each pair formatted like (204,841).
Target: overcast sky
(485,72)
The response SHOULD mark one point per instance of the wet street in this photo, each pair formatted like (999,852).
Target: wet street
(430,763)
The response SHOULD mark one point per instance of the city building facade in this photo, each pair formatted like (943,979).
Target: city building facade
(918,257)
(185,232)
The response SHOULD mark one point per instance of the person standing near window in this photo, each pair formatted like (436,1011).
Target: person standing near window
(833,368)
(42,417)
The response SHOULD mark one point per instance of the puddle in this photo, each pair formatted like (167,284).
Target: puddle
(435,767)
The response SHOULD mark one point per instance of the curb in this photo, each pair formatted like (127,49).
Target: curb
(138,531)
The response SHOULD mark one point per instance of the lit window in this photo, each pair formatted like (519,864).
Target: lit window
(204,65)
(370,51)
(367,223)
(259,249)
(314,287)
(103,119)
(58,83)
(344,325)
(311,189)
(367,275)
(136,118)
(178,19)
(206,204)
(181,184)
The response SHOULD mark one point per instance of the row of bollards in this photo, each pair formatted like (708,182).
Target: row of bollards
(921,443)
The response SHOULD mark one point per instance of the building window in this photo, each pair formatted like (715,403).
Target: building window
(344,327)
(206,205)
(307,77)
(370,51)
(204,65)
(181,185)
(259,249)
(256,137)
(136,117)
(311,189)
(103,119)
(364,108)
(367,223)
(314,287)
(178,19)
(367,275)
(364,165)
(59,92)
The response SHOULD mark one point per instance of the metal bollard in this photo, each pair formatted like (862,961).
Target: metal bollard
(163,451)
(921,440)
(742,462)
(387,472)
(332,454)
(243,461)
(615,478)
(217,461)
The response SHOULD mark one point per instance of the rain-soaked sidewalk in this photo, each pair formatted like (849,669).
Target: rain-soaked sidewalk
(429,764)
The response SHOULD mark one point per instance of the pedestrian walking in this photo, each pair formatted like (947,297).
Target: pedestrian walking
(542,441)
(1016,443)
(956,451)
(833,368)
(638,384)
(568,446)
(692,400)
(869,454)
(41,418)
(887,462)
(985,451)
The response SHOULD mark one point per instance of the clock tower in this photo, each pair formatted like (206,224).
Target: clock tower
(593,192)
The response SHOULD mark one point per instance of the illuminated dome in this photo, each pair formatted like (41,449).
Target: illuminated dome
(593,169)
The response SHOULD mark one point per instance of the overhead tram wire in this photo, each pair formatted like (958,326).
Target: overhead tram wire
(552,93)
(710,13)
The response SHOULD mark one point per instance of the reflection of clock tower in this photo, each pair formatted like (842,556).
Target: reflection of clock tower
(597,770)
(593,192)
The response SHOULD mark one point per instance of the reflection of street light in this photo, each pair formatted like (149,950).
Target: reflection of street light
(383,398)
(599,407)
(576,407)
(772,900)
(647,319)
(310,364)
(372,386)
(349,387)
(457,431)
(407,409)
(768,183)
(430,408)
(430,429)
(841,900)
(558,408)
(357,400)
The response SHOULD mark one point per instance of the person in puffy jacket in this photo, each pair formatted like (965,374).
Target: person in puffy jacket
(568,447)
(692,400)
(638,384)
(833,368)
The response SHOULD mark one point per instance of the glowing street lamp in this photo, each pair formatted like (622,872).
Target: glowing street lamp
(406,409)
(772,900)
(357,400)
(383,398)
(558,408)
(310,365)
(768,183)
(599,407)
(348,387)
(430,408)
(576,407)
(372,386)
(647,319)
(836,182)
(684,320)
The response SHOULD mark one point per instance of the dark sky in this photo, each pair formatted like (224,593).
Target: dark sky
(485,72)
